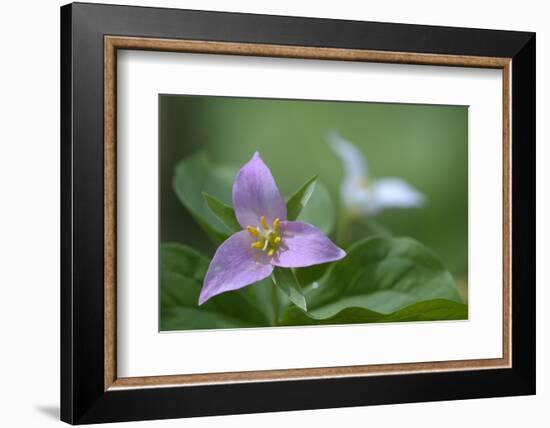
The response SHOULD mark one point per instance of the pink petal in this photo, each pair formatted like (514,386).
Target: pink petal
(255,194)
(305,245)
(235,265)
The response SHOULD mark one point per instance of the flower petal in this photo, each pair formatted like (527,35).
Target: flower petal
(356,197)
(355,166)
(255,194)
(394,193)
(235,265)
(305,245)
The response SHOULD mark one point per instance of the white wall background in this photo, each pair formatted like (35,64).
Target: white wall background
(29,213)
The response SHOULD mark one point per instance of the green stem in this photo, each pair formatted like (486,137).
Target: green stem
(344,227)
(275,303)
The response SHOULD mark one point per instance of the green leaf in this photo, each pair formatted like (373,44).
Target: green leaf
(430,310)
(182,272)
(195,175)
(310,274)
(296,203)
(223,212)
(319,210)
(285,280)
(380,275)
(427,310)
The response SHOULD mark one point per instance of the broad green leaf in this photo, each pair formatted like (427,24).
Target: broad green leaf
(297,202)
(195,175)
(319,210)
(285,280)
(182,272)
(223,212)
(430,310)
(427,310)
(381,275)
(310,274)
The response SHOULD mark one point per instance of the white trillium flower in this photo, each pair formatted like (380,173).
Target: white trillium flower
(362,196)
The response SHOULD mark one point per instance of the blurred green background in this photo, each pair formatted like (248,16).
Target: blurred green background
(424,144)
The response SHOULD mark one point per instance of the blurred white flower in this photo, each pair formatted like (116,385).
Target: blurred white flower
(362,196)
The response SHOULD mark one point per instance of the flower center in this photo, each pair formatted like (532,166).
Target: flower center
(268,238)
(363,183)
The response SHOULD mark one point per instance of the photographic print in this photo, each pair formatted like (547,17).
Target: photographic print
(280,212)
(328,191)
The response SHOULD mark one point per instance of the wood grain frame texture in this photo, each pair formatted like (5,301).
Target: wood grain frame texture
(113,43)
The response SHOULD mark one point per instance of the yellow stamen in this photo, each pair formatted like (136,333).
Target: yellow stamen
(267,238)
(264,223)
(253,231)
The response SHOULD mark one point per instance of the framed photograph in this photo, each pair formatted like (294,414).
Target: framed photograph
(265,213)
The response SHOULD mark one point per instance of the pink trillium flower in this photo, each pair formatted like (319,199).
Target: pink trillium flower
(268,239)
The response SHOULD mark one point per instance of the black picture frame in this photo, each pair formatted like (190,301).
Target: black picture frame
(83,397)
